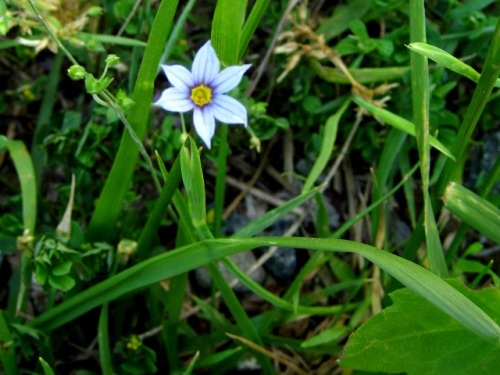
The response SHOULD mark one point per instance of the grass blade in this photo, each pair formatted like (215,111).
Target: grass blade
(452,171)
(184,259)
(109,205)
(474,210)
(400,123)
(7,352)
(327,144)
(251,24)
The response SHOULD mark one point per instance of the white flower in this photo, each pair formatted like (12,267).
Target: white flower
(203,91)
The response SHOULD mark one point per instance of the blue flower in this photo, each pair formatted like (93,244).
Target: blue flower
(203,91)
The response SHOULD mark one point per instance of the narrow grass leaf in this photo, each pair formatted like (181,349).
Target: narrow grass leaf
(279,302)
(253,20)
(489,75)
(113,39)
(47,370)
(474,210)
(184,259)
(400,123)
(103,340)
(172,181)
(270,217)
(448,61)
(26,174)
(226,29)
(421,98)
(192,177)
(109,205)
(329,136)
(8,358)
(361,75)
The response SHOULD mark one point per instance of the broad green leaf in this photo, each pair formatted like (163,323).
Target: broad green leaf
(41,273)
(414,337)
(64,282)
(62,268)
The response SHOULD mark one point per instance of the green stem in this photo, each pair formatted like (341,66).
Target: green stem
(489,75)
(53,36)
(220,181)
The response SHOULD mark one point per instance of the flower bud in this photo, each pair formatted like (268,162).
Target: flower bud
(77,72)
(112,60)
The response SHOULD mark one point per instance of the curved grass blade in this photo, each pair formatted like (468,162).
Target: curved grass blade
(327,144)
(184,259)
(474,210)
(400,123)
(448,61)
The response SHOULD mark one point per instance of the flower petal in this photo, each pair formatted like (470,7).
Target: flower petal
(228,79)
(205,65)
(204,124)
(229,110)
(179,77)
(175,100)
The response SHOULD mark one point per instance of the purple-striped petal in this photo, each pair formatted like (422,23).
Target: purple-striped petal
(229,110)
(205,65)
(204,124)
(179,77)
(174,100)
(228,79)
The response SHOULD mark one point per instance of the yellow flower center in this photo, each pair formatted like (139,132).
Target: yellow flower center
(201,95)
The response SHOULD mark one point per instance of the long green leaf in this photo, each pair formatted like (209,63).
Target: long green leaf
(270,217)
(491,70)
(226,29)
(329,136)
(26,174)
(109,205)
(420,96)
(104,344)
(448,61)
(184,259)
(226,32)
(474,210)
(400,123)
(251,24)
(361,75)
(7,352)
